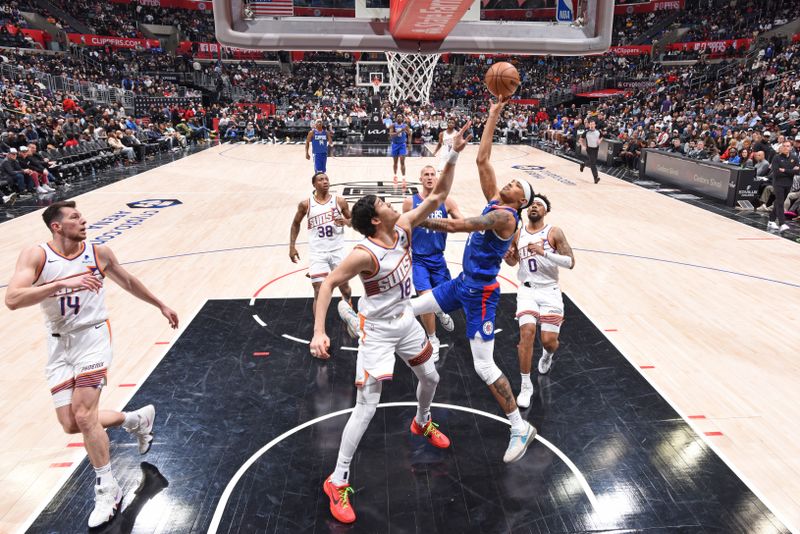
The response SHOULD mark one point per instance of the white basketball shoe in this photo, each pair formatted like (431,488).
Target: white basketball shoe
(446,321)
(144,430)
(106,503)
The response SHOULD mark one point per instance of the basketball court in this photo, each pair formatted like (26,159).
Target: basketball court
(669,407)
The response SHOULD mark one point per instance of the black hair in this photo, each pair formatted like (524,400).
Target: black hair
(546,201)
(363,213)
(53,211)
(314,177)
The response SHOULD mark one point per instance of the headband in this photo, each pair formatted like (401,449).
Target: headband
(526,187)
(540,200)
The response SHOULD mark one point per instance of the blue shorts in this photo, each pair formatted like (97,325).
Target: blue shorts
(429,272)
(478,299)
(320,162)
(398,150)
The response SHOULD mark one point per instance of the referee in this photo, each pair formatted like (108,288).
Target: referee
(590,140)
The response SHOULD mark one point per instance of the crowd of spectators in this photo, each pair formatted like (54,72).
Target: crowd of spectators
(715,20)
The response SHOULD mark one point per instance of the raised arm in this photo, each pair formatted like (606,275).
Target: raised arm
(452,209)
(113,270)
(485,169)
(358,261)
(413,218)
(302,209)
(22,293)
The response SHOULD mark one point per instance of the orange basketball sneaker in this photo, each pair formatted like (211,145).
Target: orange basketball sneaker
(340,501)
(430,431)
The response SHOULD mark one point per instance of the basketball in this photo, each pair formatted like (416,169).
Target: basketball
(502,79)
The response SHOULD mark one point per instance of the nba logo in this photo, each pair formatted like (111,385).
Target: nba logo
(564,11)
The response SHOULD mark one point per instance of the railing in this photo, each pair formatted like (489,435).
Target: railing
(84,90)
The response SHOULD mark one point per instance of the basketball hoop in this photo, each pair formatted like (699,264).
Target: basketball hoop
(410,76)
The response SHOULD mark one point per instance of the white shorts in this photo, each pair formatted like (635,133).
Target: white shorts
(542,304)
(383,338)
(322,263)
(78,359)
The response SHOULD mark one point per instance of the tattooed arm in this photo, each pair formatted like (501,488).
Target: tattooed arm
(501,221)
(563,257)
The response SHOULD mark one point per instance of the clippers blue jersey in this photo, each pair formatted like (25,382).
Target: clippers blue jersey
(319,143)
(484,251)
(426,242)
(402,135)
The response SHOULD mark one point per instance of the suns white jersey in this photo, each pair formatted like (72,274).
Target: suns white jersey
(71,309)
(388,291)
(323,234)
(534,268)
(447,147)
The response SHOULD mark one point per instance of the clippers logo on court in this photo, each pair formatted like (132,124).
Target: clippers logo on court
(488,328)
(121,221)
(388,191)
(154,203)
(540,173)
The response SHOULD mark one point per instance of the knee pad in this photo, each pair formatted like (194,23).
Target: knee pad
(483,359)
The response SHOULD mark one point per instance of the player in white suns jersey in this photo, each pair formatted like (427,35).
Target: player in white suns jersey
(540,250)
(327,214)
(383,262)
(65,276)
(445,143)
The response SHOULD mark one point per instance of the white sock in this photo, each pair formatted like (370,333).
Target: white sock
(131,421)
(104,476)
(432,337)
(526,381)
(341,474)
(517,423)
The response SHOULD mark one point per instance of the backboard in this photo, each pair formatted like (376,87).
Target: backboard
(571,27)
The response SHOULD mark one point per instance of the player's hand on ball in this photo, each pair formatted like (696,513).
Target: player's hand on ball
(499,104)
(459,141)
(320,345)
(293,255)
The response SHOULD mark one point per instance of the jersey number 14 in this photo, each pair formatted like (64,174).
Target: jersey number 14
(70,303)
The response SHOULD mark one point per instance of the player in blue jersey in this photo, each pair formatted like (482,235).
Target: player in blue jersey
(427,259)
(320,139)
(400,136)
(476,289)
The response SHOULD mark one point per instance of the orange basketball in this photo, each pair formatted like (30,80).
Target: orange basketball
(502,79)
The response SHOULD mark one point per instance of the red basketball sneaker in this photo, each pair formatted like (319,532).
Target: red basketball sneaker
(340,501)
(430,431)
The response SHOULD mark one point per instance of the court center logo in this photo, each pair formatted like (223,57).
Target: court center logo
(121,221)
(388,190)
(541,173)
(154,203)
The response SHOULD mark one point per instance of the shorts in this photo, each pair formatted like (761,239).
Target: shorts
(542,304)
(429,272)
(321,162)
(322,263)
(78,359)
(398,150)
(479,300)
(381,339)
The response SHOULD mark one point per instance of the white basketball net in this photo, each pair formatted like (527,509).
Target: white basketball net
(410,76)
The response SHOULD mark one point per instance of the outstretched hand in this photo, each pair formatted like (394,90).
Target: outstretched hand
(501,102)
(459,142)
